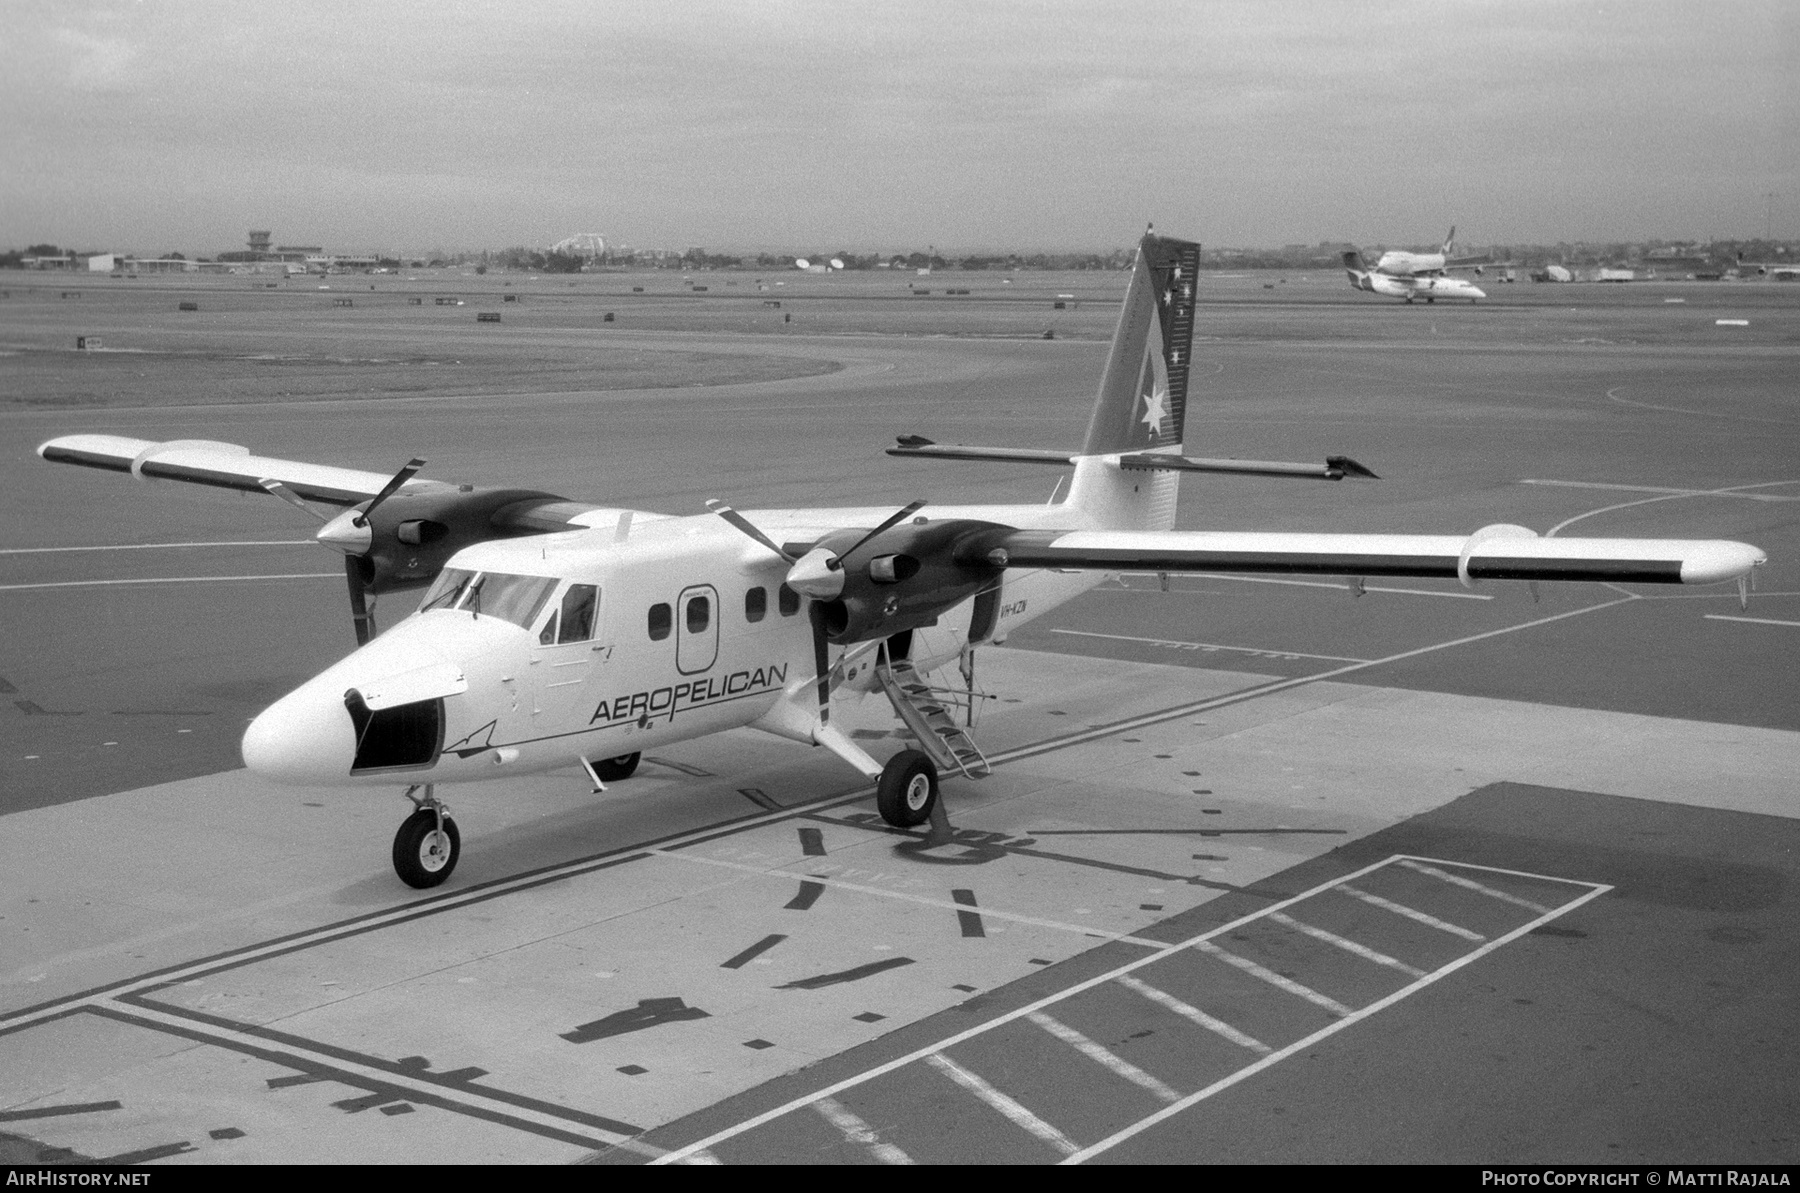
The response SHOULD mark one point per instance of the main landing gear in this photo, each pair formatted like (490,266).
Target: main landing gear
(427,845)
(907,790)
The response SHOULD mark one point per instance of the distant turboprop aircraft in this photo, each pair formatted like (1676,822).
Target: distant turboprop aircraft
(1406,275)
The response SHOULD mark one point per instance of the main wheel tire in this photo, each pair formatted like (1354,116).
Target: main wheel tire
(611,769)
(908,789)
(424,857)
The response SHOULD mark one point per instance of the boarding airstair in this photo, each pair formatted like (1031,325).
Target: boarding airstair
(929,713)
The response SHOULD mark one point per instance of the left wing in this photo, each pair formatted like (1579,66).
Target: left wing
(1500,552)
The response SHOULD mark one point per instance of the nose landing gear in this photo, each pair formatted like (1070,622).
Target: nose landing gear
(427,845)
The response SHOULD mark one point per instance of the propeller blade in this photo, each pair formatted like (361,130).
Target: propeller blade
(292,498)
(815,613)
(400,478)
(361,615)
(742,523)
(893,519)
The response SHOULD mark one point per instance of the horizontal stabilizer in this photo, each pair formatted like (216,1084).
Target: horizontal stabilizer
(1498,553)
(916,445)
(1335,468)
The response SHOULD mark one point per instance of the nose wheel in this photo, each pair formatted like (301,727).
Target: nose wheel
(427,845)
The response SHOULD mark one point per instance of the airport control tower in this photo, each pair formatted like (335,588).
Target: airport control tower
(259,242)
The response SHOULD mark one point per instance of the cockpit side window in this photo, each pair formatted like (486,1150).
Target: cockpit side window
(548,634)
(578,607)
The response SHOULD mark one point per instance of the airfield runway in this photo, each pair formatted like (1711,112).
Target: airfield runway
(1265,872)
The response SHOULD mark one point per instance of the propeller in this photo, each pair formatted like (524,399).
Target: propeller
(352,534)
(818,574)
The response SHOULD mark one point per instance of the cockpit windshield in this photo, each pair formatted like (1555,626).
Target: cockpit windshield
(517,599)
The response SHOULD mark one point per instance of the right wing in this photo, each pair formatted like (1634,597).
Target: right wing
(231,466)
(222,465)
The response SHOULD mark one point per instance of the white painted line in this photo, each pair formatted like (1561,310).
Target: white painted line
(1194,1014)
(1409,913)
(857,1131)
(173,580)
(1671,492)
(1471,884)
(1274,979)
(1430,592)
(162,546)
(1754,620)
(1209,646)
(1005,1105)
(1349,946)
(1301,1045)
(1103,1055)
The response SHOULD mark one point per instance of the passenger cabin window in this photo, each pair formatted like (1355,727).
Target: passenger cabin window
(789,601)
(756,604)
(578,607)
(699,614)
(662,619)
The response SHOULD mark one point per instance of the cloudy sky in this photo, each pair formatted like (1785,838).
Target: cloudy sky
(891,124)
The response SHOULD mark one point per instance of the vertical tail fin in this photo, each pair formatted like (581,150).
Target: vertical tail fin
(1450,241)
(1142,404)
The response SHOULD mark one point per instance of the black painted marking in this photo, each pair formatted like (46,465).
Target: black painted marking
(963,988)
(868,1017)
(297,1079)
(225,1133)
(1211,857)
(759,1045)
(683,767)
(648,1013)
(847,975)
(161,712)
(161,1151)
(398,1108)
(756,950)
(760,798)
(1039,961)
(13,1116)
(278,1040)
(969,921)
(32,709)
(1202,791)
(632,1070)
(809,894)
(366,1102)
(812,842)
(1150,906)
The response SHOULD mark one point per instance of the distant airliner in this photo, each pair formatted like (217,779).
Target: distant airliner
(1404,275)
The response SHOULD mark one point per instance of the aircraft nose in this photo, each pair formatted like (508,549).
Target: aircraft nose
(305,737)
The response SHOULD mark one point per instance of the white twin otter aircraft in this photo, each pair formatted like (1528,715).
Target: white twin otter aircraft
(557,634)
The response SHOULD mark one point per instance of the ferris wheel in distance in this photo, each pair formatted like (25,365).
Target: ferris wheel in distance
(591,245)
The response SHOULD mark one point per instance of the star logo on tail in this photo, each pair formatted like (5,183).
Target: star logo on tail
(1156,409)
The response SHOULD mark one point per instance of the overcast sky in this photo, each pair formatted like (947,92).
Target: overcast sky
(889,125)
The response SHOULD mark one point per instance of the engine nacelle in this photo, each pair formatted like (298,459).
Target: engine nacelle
(904,578)
(411,536)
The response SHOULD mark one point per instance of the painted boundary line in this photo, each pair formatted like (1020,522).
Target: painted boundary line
(1224,1083)
(933,1052)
